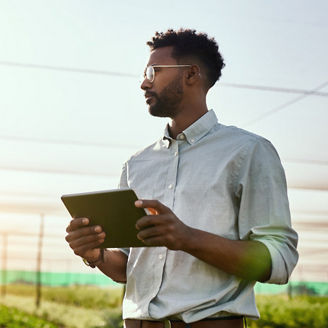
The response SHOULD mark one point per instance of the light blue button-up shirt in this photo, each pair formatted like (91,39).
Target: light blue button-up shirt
(222,180)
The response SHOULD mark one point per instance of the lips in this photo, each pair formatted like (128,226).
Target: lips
(149,97)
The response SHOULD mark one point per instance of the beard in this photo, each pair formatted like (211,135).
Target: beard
(166,103)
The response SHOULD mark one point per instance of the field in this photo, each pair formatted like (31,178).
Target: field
(67,307)
(93,307)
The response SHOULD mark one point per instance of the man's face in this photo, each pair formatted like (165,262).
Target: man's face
(165,93)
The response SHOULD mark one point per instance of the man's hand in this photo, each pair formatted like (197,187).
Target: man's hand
(162,228)
(84,240)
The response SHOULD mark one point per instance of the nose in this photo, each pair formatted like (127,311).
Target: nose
(145,84)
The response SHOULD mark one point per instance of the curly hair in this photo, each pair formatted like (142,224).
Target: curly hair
(186,43)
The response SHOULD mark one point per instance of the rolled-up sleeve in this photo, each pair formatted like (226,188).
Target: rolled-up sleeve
(264,209)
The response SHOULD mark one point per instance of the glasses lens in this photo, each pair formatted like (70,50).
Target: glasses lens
(150,73)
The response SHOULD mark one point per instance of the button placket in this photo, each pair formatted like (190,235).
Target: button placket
(172,174)
(161,254)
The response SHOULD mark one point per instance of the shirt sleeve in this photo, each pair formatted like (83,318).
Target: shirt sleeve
(264,209)
(124,185)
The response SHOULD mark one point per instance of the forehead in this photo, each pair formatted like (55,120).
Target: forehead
(161,56)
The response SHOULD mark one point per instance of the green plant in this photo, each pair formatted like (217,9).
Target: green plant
(278,311)
(13,318)
(85,296)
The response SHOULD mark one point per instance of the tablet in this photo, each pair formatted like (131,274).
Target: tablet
(114,210)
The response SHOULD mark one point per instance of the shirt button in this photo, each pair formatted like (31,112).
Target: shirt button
(176,153)
(192,140)
(160,257)
(181,137)
(171,186)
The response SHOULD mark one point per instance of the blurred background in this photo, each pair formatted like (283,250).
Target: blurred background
(72,112)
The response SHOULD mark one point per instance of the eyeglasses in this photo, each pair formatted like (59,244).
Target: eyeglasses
(149,73)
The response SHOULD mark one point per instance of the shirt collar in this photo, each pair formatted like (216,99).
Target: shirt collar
(195,131)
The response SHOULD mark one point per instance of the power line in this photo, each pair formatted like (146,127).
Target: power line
(121,74)
(29,234)
(305,161)
(283,106)
(67,69)
(21,258)
(275,89)
(56,171)
(69,142)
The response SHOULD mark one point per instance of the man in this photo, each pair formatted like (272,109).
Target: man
(218,200)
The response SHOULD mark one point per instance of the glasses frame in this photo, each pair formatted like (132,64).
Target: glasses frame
(152,67)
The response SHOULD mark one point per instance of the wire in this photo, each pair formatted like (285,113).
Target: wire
(283,106)
(21,258)
(67,69)
(275,89)
(110,73)
(69,142)
(56,171)
(305,161)
(29,234)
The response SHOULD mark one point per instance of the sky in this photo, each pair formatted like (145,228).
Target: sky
(72,111)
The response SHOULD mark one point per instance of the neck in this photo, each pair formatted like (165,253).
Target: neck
(186,117)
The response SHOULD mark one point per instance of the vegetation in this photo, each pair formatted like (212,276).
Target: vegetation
(85,296)
(91,307)
(69,307)
(13,318)
(278,311)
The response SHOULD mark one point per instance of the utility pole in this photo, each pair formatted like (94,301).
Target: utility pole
(4,264)
(39,259)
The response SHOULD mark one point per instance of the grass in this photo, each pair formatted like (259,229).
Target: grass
(71,307)
(86,307)
(13,318)
(69,316)
(85,296)
(278,311)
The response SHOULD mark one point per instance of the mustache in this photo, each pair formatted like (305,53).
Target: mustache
(150,94)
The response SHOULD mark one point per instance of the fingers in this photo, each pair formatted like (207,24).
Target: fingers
(164,229)
(158,236)
(77,223)
(82,248)
(83,238)
(149,220)
(85,231)
(152,205)
(154,241)
(156,230)
(148,233)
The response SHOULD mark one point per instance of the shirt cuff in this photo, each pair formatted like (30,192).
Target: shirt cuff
(278,268)
(126,251)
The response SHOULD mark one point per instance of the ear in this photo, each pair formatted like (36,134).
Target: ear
(193,75)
